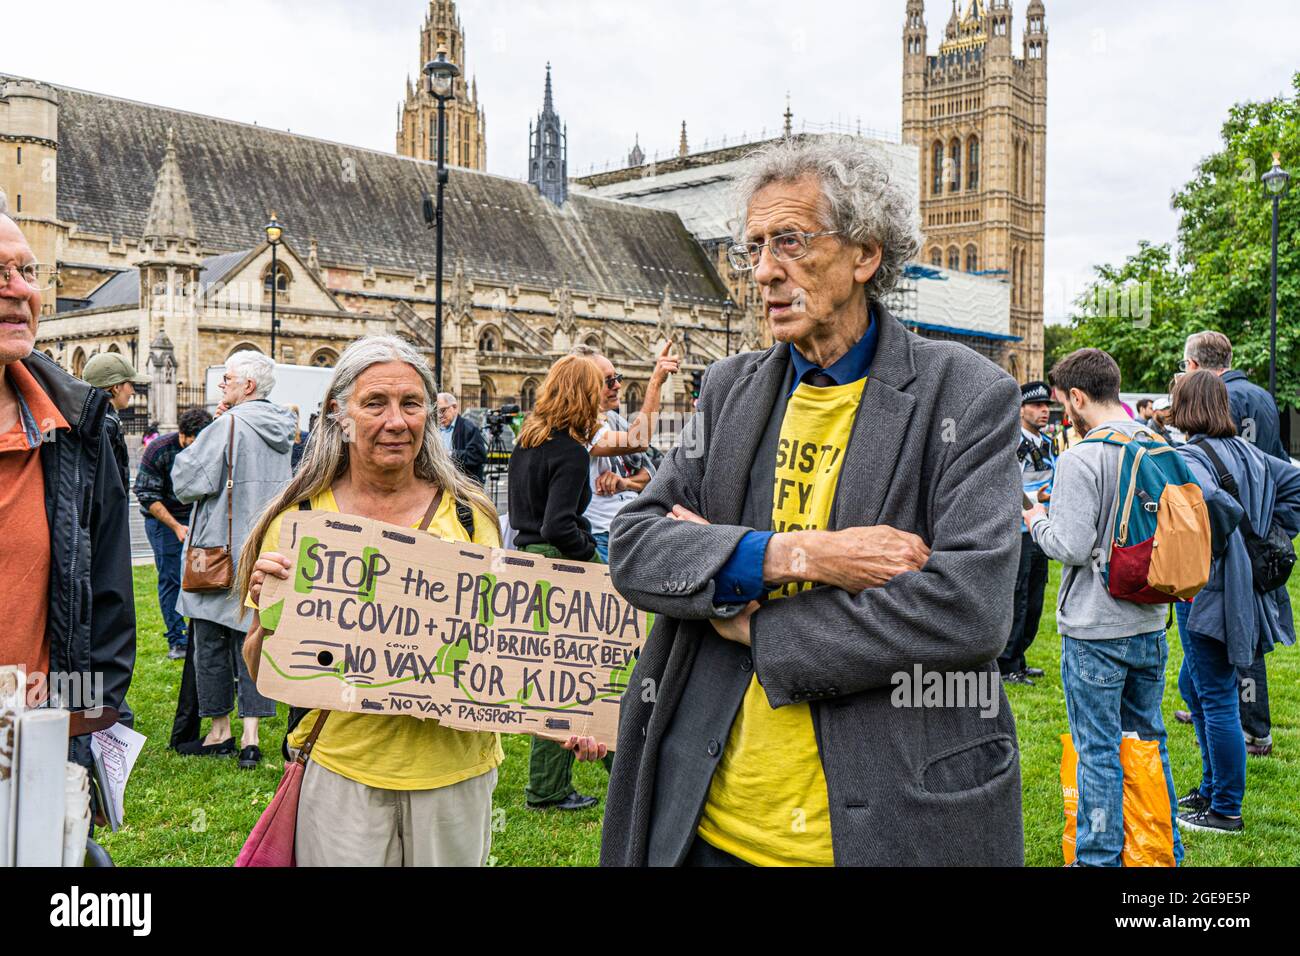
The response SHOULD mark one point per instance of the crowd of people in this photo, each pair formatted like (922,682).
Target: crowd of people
(818,530)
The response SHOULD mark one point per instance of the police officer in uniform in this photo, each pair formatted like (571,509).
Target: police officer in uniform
(1037,456)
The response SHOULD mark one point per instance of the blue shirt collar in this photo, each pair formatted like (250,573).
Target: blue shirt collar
(850,367)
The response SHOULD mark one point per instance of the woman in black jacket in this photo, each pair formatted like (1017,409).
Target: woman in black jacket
(550,467)
(549,490)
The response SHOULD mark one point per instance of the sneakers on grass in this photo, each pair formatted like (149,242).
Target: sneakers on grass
(1210,822)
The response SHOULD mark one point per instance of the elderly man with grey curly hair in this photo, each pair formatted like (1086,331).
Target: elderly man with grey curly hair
(831,553)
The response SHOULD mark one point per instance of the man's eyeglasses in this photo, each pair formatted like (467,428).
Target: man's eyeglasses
(37,276)
(613,380)
(785,247)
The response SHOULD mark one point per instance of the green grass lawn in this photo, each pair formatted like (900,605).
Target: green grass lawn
(188,811)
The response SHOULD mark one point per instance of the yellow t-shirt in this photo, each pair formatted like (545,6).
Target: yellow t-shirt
(400,752)
(767,803)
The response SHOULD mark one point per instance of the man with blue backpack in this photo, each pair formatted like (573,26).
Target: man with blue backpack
(1129,526)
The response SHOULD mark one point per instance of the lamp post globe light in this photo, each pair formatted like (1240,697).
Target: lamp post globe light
(1277,181)
(274,230)
(441,74)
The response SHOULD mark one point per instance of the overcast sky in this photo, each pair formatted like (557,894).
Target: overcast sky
(1137,90)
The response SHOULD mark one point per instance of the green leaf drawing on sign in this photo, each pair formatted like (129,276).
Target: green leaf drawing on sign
(270,617)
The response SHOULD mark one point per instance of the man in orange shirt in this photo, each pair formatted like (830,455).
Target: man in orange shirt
(66,563)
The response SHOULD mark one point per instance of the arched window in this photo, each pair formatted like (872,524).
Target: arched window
(972,259)
(112,347)
(594,342)
(954,151)
(1027,171)
(973,163)
(936,257)
(243,347)
(954,258)
(1024,275)
(550,171)
(282,280)
(528,394)
(324,358)
(78,361)
(488,341)
(633,396)
(936,169)
(486,392)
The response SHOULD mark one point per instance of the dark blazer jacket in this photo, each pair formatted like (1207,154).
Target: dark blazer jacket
(932,451)
(468,448)
(1255,414)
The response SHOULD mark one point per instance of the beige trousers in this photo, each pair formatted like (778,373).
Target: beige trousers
(345,823)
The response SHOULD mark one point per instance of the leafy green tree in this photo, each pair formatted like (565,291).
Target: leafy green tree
(1218,274)
(1058,341)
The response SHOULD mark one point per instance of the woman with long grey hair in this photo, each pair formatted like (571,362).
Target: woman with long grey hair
(384,790)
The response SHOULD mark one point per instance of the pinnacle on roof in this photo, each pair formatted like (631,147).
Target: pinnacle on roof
(169,211)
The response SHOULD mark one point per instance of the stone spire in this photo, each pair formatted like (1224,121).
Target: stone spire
(548,150)
(682,148)
(170,221)
(789,118)
(637,156)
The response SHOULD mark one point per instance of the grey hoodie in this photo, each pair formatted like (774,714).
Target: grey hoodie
(1078,534)
(263,440)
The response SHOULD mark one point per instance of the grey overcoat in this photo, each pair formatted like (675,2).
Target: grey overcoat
(932,451)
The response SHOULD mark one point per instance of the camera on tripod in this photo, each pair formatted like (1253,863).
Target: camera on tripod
(501,417)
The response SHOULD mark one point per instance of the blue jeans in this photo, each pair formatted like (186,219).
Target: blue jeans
(1209,685)
(1112,687)
(602,545)
(167,559)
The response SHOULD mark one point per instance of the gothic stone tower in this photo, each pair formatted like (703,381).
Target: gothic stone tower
(29,118)
(978,116)
(417,119)
(548,150)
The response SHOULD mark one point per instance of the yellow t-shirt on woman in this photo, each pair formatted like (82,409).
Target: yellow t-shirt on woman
(398,752)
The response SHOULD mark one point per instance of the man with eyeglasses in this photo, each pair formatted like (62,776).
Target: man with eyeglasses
(619,470)
(66,559)
(837,532)
(461,437)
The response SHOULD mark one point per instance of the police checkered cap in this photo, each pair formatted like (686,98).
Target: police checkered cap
(1035,392)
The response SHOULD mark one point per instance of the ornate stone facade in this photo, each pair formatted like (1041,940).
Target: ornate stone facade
(155,218)
(978,116)
(417,117)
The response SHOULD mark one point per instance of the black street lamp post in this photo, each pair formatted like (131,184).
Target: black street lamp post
(441,74)
(274,230)
(1277,181)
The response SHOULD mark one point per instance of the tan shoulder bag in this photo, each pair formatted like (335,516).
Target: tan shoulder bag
(213,569)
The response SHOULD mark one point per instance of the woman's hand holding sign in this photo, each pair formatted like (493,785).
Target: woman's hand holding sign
(268,562)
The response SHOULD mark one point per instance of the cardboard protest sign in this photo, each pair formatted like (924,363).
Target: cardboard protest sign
(381,619)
